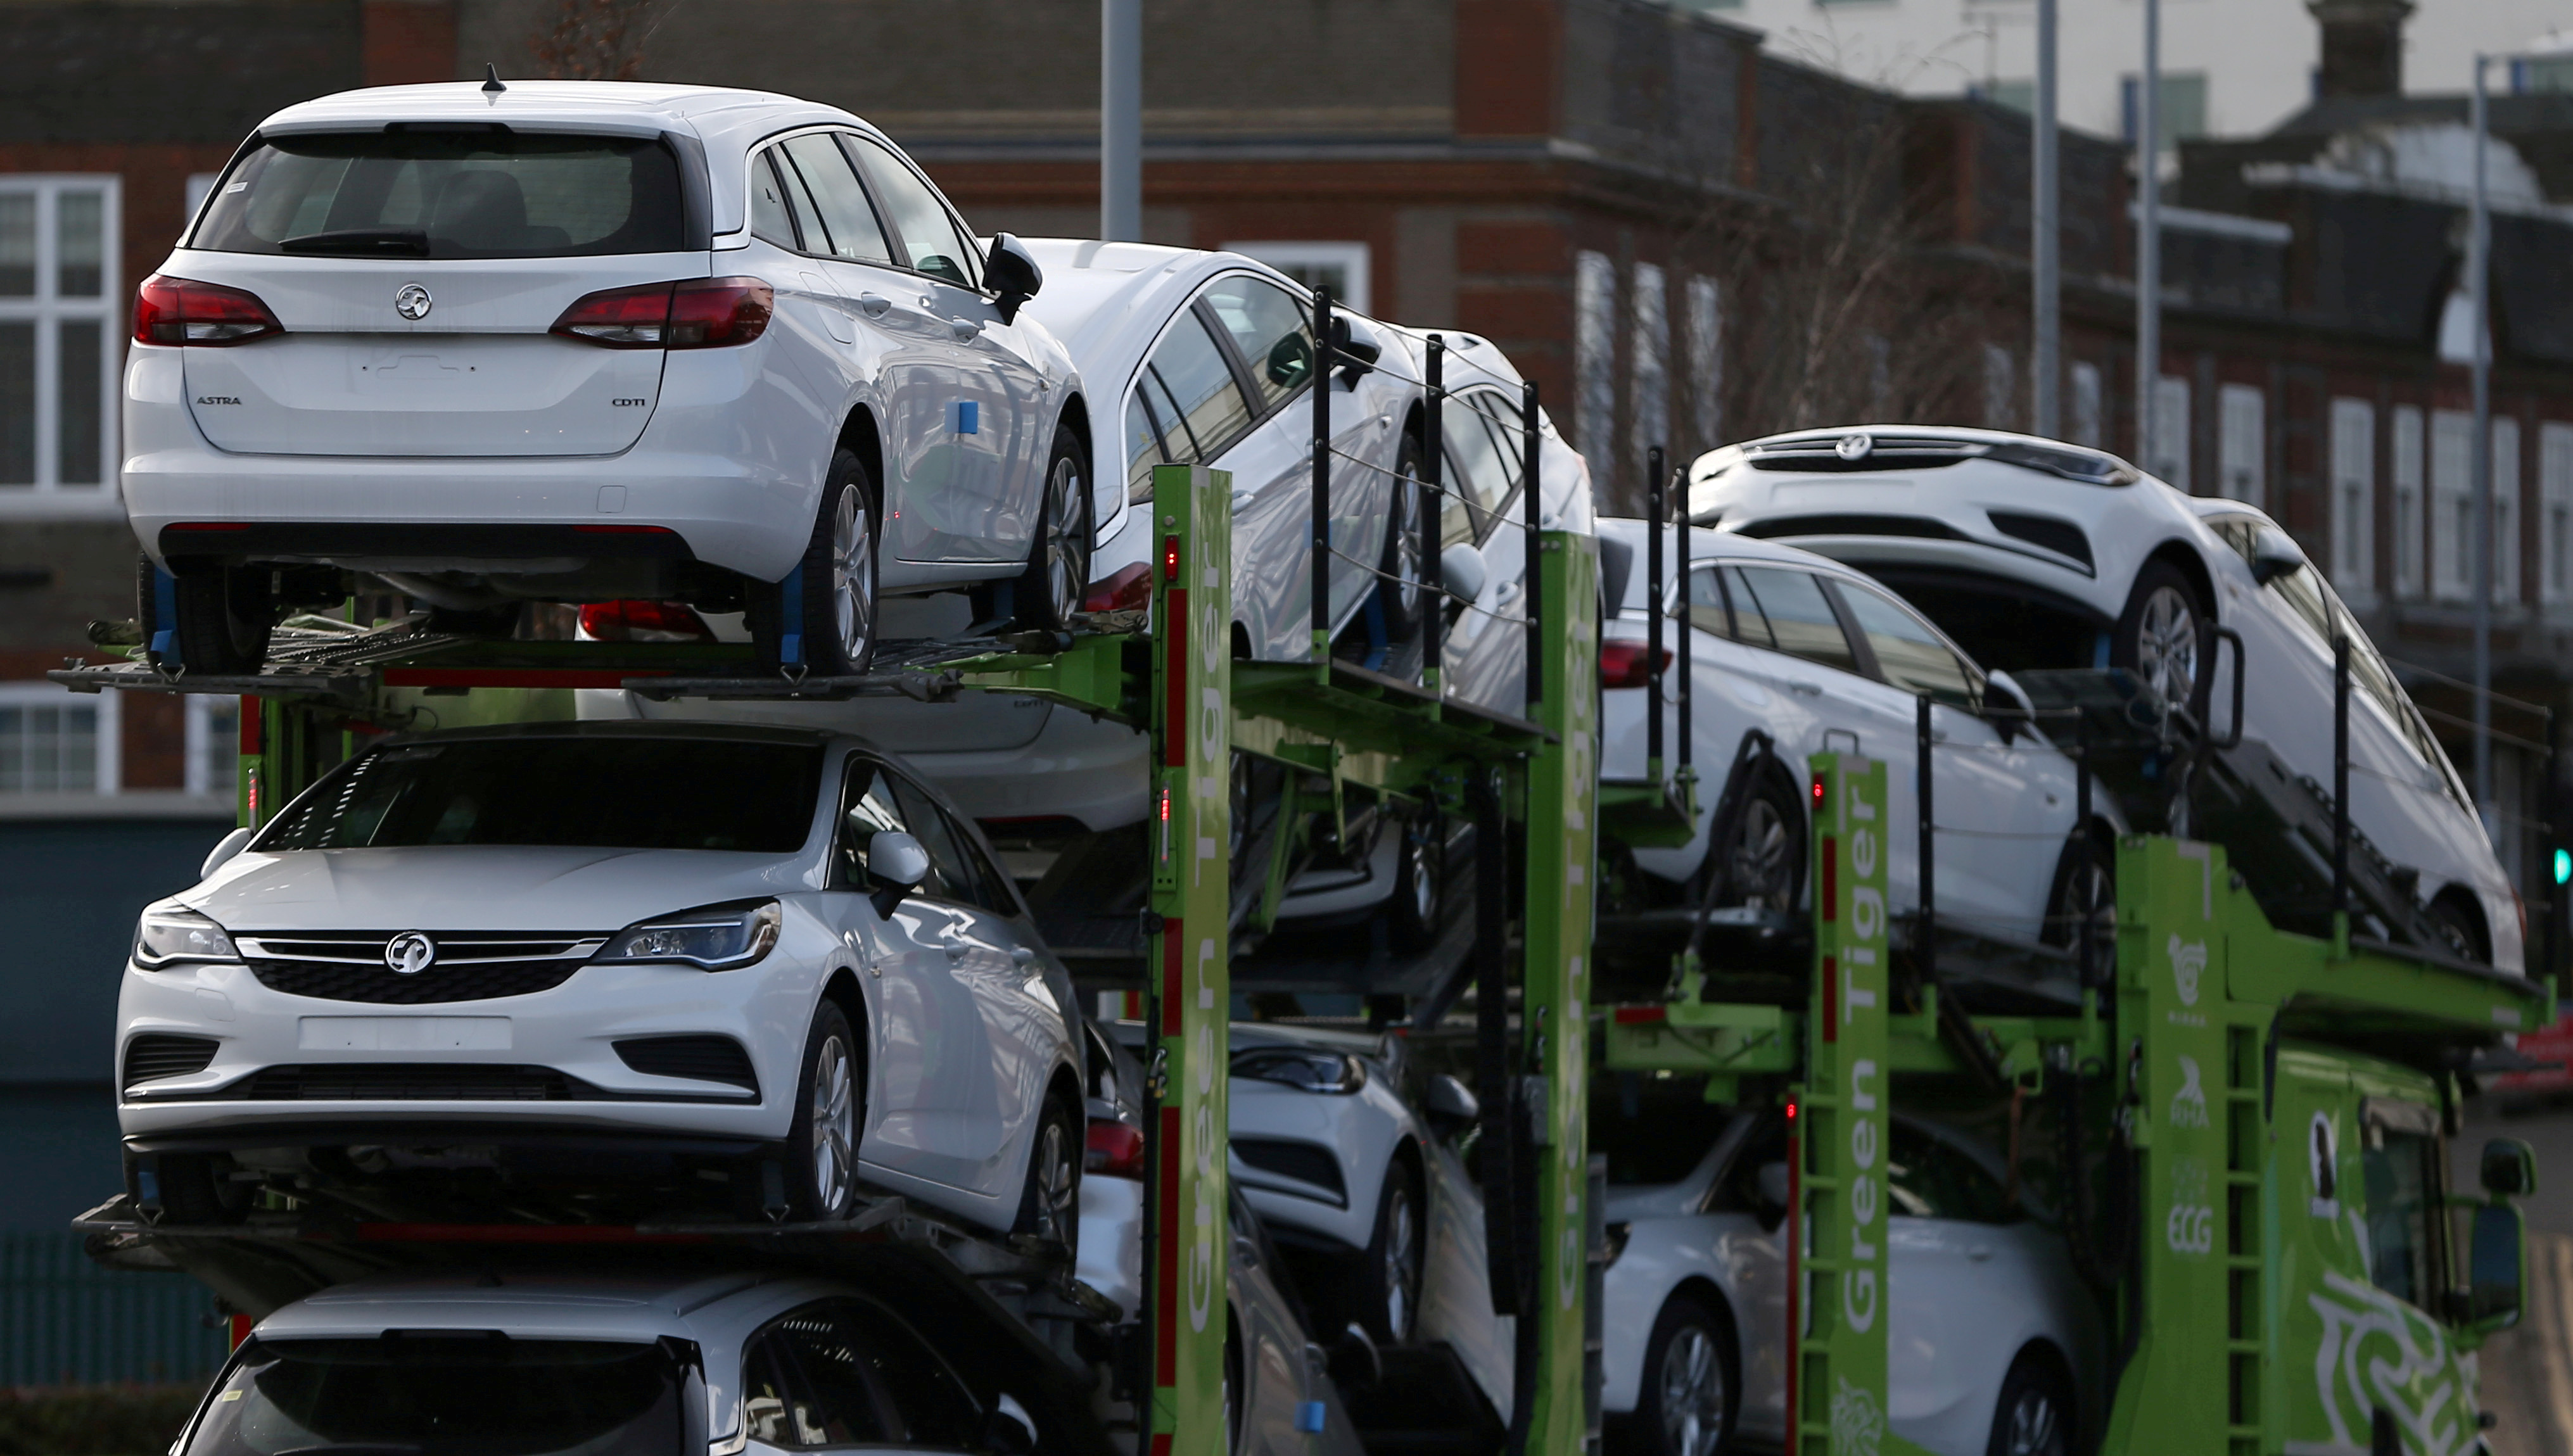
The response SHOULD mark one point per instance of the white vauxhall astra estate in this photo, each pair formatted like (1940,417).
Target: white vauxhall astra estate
(589,341)
(771,958)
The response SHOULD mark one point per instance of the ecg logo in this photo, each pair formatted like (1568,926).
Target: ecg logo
(2190,1226)
(2188,962)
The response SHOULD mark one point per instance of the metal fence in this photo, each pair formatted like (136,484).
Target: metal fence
(66,1321)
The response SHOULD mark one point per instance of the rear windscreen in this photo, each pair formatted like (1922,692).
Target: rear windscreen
(449,194)
(446,1393)
(605,793)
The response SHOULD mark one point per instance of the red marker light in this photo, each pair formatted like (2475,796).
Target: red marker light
(1818,795)
(1791,1112)
(1170,559)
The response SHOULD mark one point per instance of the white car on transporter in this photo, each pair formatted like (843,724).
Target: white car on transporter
(2035,553)
(1995,1345)
(1816,656)
(763,964)
(593,340)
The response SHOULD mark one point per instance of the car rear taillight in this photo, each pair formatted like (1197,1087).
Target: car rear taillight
(1625,664)
(1131,589)
(183,311)
(697,312)
(643,621)
(1116,1149)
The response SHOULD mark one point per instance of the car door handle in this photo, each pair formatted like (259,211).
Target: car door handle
(874,305)
(1021,956)
(1808,689)
(1241,498)
(1509,593)
(964,329)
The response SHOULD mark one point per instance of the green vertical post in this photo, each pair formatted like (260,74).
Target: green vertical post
(1192,877)
(1562,815)
(1839,1136)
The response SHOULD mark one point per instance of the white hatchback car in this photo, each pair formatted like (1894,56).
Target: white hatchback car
(773,960)
(585,340)
(1816,656)
(1995,1344)
(632,1364)
(2037,554)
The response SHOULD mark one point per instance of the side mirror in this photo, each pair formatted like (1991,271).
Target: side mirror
(1462,568)
(1451,1107)
(1356,346)
(2497,1268)
(1770,1184)
(1011,1431)
(1012,274)
(898,864)
(2509,1168)
(225,848)
(2274,555)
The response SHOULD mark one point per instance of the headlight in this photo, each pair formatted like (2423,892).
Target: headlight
(169,934)
(718,938)
(1307,1069)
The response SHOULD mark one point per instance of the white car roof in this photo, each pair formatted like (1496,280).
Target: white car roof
(569,1306)
(1107,301)
(727,121)
(1704,543)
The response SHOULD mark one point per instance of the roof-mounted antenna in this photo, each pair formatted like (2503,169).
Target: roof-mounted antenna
(492,79)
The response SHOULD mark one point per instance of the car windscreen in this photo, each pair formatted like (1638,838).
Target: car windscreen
(449,195)
(605,793)
(1653,1127)
(443,1393)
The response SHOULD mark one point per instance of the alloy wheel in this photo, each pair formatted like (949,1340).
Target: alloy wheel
(1401,1275)
(1055,1187)
(2032,1428)
(835,1125)
(1692,1394)
(1067,565)
(853,576)
(2166,644)
(1759,867)
(1408,548)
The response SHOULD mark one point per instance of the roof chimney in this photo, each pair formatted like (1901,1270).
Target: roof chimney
(2362,46)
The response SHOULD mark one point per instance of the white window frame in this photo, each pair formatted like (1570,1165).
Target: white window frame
(47,497)
(2353,497)
(212,766)
(2408,439)
(2505,518)
(2171,428)
(1290,255)
(1649,339)
(2089,424)
(1594,364)
(108,774)
(2555,511)
(2242,466)
(2452,504)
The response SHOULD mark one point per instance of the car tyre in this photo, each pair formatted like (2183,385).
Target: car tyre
(835,622)
(1421,881)
(2462,929)
(1761,864)
(1691,1390)
(1388,1282)
(1058,575)
(2085,884)
(225,615)
(2034,1417)
(2162,634)
(830,1119)
(1050,1204)
(1400,593)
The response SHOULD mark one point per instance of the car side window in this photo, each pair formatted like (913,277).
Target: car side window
(1477,471)
(1707,610)
(1143,448)
(1799,618)
(950,874)
(931,240)
(800,206)
(769,220)
(1909,653)
(840,1372)
(851,219)
(867,809)
(981,881)
(1191,393)
(1273,331)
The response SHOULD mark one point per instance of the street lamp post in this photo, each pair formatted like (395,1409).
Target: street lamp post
(2148,234)
(2045,355)
(2478,285)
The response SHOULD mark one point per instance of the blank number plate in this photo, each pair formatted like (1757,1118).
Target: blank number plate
(404,1033)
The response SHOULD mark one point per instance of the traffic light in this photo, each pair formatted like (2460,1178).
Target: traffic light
(2563,865)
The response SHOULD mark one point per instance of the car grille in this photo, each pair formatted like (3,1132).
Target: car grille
(157,1054)
(470,964)
(1847,524)
(1885,453)
(403,1082)
(1302,1161)
(703,1059)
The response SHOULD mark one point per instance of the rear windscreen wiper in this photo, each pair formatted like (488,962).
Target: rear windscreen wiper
(408,241)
